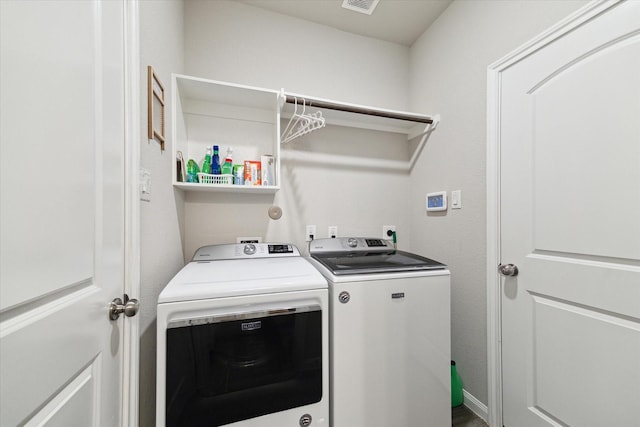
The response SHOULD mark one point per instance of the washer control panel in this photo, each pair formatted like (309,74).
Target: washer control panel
(349,244)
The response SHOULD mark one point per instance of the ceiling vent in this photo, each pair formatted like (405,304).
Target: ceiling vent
(362,6)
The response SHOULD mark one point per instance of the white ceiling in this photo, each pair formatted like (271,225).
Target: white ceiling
(397,21)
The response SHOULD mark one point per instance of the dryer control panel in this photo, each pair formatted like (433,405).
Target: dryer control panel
(244,251)
(280,249)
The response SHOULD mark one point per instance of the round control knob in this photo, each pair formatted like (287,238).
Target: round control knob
(352,242)
(250,249)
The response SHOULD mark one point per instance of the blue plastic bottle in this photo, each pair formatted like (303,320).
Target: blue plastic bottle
(215,162)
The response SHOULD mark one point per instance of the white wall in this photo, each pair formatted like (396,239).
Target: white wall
(162,218)
(233,42)
(448,76)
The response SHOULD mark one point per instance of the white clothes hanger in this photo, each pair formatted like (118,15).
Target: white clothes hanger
(292,120)
(301,123)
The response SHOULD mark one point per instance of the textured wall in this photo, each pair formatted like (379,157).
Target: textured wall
(162,218)
(448,75)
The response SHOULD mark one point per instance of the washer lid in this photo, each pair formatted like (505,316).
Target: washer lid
(239,277)
(353,255)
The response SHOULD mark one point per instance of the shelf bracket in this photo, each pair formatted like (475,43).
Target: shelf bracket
(424,135)
(421,129)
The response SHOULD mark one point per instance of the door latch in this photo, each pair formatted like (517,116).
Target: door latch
(129,307)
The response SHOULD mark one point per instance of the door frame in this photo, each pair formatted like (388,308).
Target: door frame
(131,330)
(494,141)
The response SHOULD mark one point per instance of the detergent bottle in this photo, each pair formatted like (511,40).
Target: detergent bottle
(227,166)
(215,162)
(206,165)
(456,386)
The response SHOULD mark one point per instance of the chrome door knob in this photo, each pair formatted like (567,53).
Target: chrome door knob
(508,269)
(130,307)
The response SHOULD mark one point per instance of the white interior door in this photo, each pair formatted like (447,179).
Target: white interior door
(570,222)
(62,212)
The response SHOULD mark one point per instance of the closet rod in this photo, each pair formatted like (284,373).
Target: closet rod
(310,102)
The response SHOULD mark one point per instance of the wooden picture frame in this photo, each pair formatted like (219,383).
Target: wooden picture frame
(156,107)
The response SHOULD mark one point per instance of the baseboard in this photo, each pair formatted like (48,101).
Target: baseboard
(477,407)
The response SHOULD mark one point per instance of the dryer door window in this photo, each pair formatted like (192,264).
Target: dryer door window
(226,369)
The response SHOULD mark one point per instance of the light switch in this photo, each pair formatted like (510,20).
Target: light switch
(456,199)
(145,185)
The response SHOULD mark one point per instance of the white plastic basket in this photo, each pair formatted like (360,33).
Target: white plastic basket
(207,178)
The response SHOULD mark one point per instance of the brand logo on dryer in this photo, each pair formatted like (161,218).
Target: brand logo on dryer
(251,326)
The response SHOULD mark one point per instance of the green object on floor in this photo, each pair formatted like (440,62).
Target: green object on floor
(456,386)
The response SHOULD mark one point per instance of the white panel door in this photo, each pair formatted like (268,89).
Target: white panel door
(62,212)
(570,221)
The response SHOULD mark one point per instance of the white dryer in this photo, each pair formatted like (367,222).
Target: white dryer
(389,334)
(242,339)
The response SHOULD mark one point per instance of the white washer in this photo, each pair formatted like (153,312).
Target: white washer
(242,338)
(389,329)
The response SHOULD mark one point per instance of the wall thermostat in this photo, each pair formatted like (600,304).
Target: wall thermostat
(437,201)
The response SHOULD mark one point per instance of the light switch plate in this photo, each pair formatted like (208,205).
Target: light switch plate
(456,199)
(145,185)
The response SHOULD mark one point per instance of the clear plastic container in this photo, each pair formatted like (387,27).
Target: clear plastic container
(207,178)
